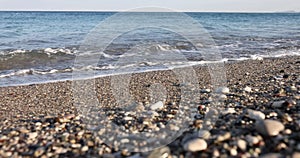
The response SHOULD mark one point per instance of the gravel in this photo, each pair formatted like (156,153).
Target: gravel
(258,115)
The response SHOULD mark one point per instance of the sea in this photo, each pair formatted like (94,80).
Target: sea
(40,47)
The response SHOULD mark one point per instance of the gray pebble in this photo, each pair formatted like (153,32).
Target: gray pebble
(269,127)
(223,90)
(256,115)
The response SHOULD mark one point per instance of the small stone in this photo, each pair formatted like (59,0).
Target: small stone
(76,146)
(229,111)
(287,131)
(128,118)
(296,155)
(216,153)
(256,115)
(205,91)
(242,144)
(90,143)
(233,152)
(269,127)
(252,140)
(223,137)
(32,135)
(163,152)
(247,89)
(7,154)
(223,90)
(205,134)
(38,152)
(123,141)
(222,97)
(195,145)
(23,130)
(157,106)
(60,150)
(84,148)
(38,124)
(293,88)
(271,155)
(277,104)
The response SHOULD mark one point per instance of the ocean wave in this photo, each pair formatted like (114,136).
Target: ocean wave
(33,72)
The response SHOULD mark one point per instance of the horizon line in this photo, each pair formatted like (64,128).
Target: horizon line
(150,11)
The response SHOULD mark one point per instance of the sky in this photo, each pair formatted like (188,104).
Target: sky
(176,5)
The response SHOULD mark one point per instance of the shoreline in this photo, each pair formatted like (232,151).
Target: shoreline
(21,107)
(199,64)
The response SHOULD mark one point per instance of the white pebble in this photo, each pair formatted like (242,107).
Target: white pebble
(156,106)
(223,90)
(195,145)
(247,89)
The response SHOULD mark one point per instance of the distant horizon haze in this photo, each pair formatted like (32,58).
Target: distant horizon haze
(176,5)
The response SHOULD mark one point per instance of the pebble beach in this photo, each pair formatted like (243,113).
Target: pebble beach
(260,115)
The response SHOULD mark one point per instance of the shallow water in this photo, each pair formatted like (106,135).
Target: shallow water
(42,46)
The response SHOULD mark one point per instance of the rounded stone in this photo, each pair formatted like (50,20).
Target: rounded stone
(247,89)
(157,106)
(242,144)
(223,90)
(195,145)
(205,134)
(38,152)
(163,152)
(269,127)
(256,115)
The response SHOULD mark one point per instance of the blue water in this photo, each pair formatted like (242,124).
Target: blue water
(41,46)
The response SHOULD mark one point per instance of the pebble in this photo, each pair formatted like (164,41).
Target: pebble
(38,152)
(32,135)
(24,130)
(195,145)
(252,140)
(163,152)
(247,89)
(233,152)
(296,155)
(205,91)
(85,148)
(278,104)
(222,97)
(229,111)
(76,145)
(60,150)
(269,127)
(223,137)
(205,134)
(157,106)
(256,115)
(272,155)
(242,144)
(223,90)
